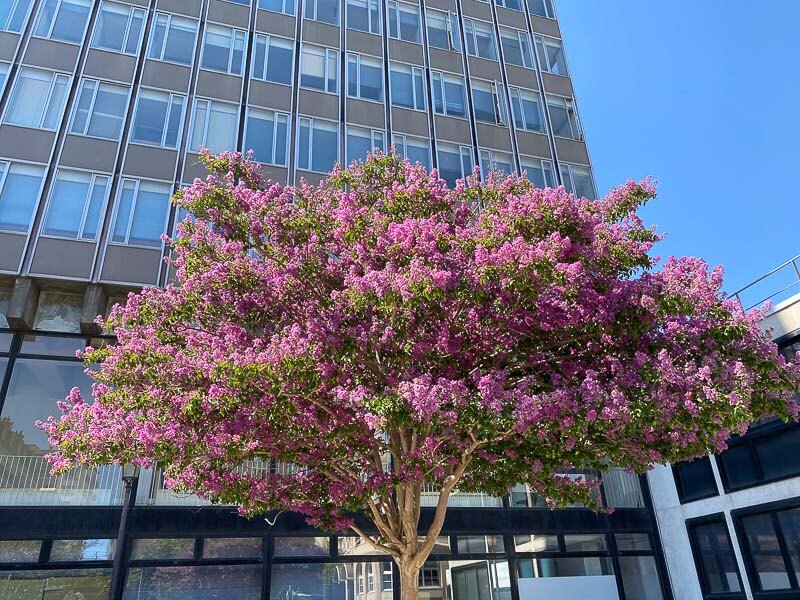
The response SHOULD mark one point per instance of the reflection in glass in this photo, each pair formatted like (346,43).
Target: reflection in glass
(17,551)
(232,547)
(765,552)
(149,548)
(86,584)
(332,581)
(302,546)
(716,557)
(95,549)
(640,578)
(233,582)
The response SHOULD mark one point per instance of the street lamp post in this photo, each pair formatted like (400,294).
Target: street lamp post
(130,479)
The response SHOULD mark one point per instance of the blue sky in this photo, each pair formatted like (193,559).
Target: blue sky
(704,96)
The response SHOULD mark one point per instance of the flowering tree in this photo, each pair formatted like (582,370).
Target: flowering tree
(380,332)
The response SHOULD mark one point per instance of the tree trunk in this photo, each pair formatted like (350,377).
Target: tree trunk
(409,581)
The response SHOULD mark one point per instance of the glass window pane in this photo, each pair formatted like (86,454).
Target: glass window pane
(468,579)
(765,552)
(629,542)
(279,61)
(149,215)
(18,551)
(696,479)
(325,147)
(29,97)
(589,542)
(95,549)
(179,46)
(332,581)
(790,526)
(232,547)
(67,202)
(477,544)
(52,345)
(640,578)
(19,196)
(242,582)
(108,114)
(536,543)
(719,571)
(55,105)
(149,548)
(355,545)
(92,584)
(302,546)
(740,466)
(217,48)
(151,117)
(84,104)
(71,20)
(779,455)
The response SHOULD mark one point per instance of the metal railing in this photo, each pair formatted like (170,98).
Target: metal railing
(791,266)
(26,481)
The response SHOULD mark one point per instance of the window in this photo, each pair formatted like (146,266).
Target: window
(119,28)
(488,102)
(516,47)
(563,119)
(551,55)
(13,14)
(578,181)
(387,582)
(360,577)
(407,86)
(223,49)
(76,205)
(361,141)
(404,21)
(265,134)
(543,8)
(273,58)
(480,38)
(766,453)
(416,150)
(430,576)
(527,110)
(100,109)
(364,15)
(364,77)
(286,7)
(319,68)
(158,119)
(538,171)
(214,125)
(512,4)
(141,213)
(20,185)
(63,20)
(714,557)
(173,39)
(326,11)
(455,162)
(496,161)
(448,94)
(318,145)
(37,99)
(443,31)
(370,577)
(3,74)
(771,545)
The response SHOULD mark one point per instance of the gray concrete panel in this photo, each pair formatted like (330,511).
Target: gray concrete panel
(193,168)
(124,264)
(272,95)
(272,22)
(482,68)
(321,33)
(150,162)
(521,77)
(533,144)
(364,43)
(557,84)
(222,86)
(441,4)
(371,114)
(110,65)
(11,247)
(236,15)
(408,52)
(413,122)
(446,60)
(512,18)
(89,153)
(572,151)
(184,7)
(319,104)
(545,26)
(310,177)
(50,54)
(166,76)
(492,136)
(25,143)
(479,10)
(276,174)
(453,130)
(63,258)
(8,44)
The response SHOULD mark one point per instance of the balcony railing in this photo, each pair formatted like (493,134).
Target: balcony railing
(776,285)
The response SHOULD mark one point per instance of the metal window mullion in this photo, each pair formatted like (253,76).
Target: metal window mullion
(133,208)
(127,33)
(91,103)
(207,120)
(55,17)
(86,199)
(49,99)
(275,135)
(231,46)
(785,553)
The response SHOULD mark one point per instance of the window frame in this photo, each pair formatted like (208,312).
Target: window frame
(491,152)
(416,70)
(210,102)
(691,525)
(151,41)
(35,207)
(570,108)
(549,9)
(311,120)
(307,13)
(268,37)
(235,34)
(371,5)
(373,134)
(117,202)
(327,54)
(526,95)
(126,38)
(463,150)
(90,112)
(471,32)
(56,13)
(280,12)
(54,76)
(275,114)
(5,69)
(404,137)
(570,167)
(170,96)
(443,76)
(526,160)
(396,7)
(359,58)
(498,101)
(541,41)
(15,4)
(80,233)
(450,18)
(522,38)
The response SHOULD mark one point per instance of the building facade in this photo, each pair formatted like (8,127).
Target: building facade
(730,523)
(103,108)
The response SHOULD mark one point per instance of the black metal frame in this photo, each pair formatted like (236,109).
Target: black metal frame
(771,509)
(691,524)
